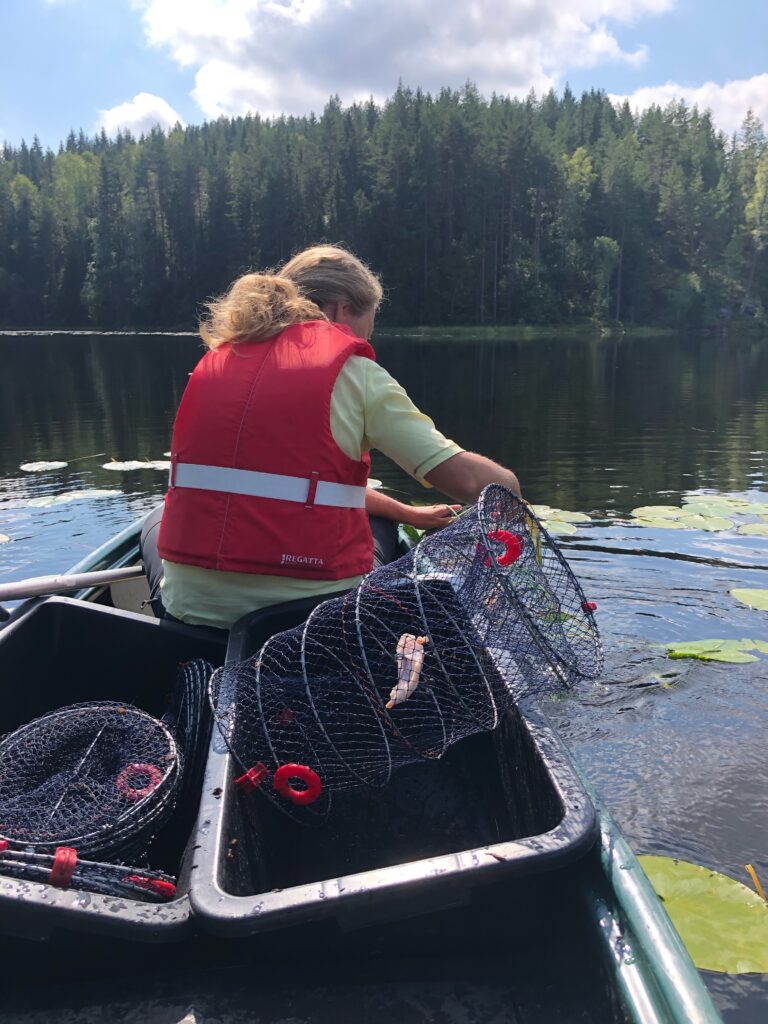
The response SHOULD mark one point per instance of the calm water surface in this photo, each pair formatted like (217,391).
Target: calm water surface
(676,748)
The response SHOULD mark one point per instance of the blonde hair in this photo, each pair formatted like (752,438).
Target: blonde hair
(259,306)
(328,274)
(256,306)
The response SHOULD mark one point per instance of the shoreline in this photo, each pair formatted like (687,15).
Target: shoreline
(511,332)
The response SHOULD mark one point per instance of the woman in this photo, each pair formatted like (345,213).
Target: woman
(270,462)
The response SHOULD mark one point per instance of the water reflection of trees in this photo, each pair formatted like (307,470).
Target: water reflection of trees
(69,397)
(666,414)
(583,421)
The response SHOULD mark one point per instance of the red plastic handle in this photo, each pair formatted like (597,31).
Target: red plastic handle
(287,773)
(156,885)
(253,778)
(125,781)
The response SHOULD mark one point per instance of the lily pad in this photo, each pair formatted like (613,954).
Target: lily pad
(542,510)
(558,527)
(736,504)
(753,530)
(41,467)
(709,509)
(662,523)
(732,651)
(657,512)
(709,523)
(122,467)
(568,517)
(711,650)
(755,508)
(722,922)
(730,655)
(757,599)
(413,533)
(47,500)
(4,538)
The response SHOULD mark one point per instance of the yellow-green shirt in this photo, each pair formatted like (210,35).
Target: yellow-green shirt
(369,409)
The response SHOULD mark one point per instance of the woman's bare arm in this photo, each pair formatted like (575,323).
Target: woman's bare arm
(463,476)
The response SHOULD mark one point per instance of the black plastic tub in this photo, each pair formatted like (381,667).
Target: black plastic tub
(497,809)
(62,651)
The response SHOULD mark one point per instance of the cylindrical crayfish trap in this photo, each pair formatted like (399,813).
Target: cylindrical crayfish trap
(99,777)
(189,720)
(424,652)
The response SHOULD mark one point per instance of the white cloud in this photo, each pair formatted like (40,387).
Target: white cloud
(288,56)
(139,115)
(729,103)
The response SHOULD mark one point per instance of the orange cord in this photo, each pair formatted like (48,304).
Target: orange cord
(753,875)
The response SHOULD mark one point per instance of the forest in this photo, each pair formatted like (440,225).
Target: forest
(475,210)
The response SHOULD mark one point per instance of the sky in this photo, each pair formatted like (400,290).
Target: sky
(93,64)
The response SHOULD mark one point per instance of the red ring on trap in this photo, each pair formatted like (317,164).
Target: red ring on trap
(513,547)
(126,777)
(287,773)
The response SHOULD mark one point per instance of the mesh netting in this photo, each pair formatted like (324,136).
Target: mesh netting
(99,777)
(424,652)
(65,870)
(189,719)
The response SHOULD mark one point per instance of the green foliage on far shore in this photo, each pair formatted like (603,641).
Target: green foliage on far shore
(543,211)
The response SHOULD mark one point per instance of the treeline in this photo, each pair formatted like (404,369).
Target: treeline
(474,211)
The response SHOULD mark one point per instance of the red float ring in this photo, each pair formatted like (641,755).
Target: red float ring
(125,779)
(513,547)
(588,606)
(282,782)
(63,866)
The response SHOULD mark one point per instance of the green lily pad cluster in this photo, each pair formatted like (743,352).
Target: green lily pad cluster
(723,923)
(735,652)
(713,514)
(557,521)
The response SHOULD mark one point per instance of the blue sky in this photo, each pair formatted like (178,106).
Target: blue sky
(84,63)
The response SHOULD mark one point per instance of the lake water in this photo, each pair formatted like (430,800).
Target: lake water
(676,748)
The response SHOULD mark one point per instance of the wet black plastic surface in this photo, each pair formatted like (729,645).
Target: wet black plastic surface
(499,804)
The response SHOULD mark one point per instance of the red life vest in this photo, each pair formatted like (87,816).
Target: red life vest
(258,483)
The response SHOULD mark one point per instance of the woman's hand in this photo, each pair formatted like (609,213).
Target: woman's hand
(423,517)
(430,517)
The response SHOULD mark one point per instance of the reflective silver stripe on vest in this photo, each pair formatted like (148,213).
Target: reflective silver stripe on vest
(265,485)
